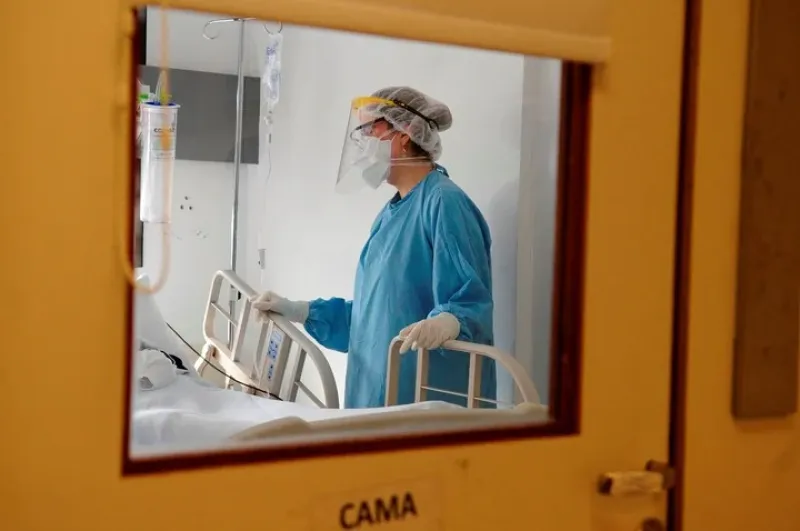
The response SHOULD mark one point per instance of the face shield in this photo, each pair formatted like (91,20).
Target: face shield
(367,151)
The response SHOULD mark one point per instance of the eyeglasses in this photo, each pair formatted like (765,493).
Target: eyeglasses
(365,129)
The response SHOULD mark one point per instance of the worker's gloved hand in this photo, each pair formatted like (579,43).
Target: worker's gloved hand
(295,311)
(430,333)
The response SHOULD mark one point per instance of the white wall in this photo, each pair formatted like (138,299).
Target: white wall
(313,236)
(537,209)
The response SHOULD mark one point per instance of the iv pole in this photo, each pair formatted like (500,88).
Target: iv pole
(237,150)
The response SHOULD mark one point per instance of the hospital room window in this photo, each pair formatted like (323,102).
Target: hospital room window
(330,243)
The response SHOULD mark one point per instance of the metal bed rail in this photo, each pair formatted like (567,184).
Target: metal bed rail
(276,367)
(526,388)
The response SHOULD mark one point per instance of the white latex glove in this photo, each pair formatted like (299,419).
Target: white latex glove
(295,311)
(430,333)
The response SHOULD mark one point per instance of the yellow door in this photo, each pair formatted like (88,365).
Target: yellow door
(739,473)
(63,385)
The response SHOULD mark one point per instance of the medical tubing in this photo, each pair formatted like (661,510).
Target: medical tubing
(126,261)
(222,372)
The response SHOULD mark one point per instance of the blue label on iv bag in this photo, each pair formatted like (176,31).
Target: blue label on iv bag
(156,103)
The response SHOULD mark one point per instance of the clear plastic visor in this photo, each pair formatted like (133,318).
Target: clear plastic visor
(365,128)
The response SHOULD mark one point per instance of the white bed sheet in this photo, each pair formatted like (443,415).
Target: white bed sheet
(190,413)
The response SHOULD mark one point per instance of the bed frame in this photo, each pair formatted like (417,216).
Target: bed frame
(278,362)
(527,391)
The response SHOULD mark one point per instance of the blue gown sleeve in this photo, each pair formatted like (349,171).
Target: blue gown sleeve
(329,323)
(462,269)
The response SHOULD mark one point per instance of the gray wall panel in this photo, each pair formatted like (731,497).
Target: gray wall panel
(207,117)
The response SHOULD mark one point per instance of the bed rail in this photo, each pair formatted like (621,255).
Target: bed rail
(277,364)
(527,390)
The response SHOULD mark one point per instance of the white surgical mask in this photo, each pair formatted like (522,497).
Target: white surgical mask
(373,164)
(373,168)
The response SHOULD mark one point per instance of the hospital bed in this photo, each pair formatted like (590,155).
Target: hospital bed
(264,365)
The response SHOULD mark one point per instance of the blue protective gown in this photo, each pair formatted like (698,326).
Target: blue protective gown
(427,253)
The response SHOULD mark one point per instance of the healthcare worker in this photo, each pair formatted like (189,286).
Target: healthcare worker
(425,270)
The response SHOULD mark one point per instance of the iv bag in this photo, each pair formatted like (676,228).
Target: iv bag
(159,127)
(271,77)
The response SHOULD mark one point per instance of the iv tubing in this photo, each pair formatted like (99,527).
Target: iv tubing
(163,98)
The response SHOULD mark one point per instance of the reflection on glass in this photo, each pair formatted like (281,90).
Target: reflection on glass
(393,239)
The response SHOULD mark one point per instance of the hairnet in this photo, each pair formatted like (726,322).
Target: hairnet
(422,130)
